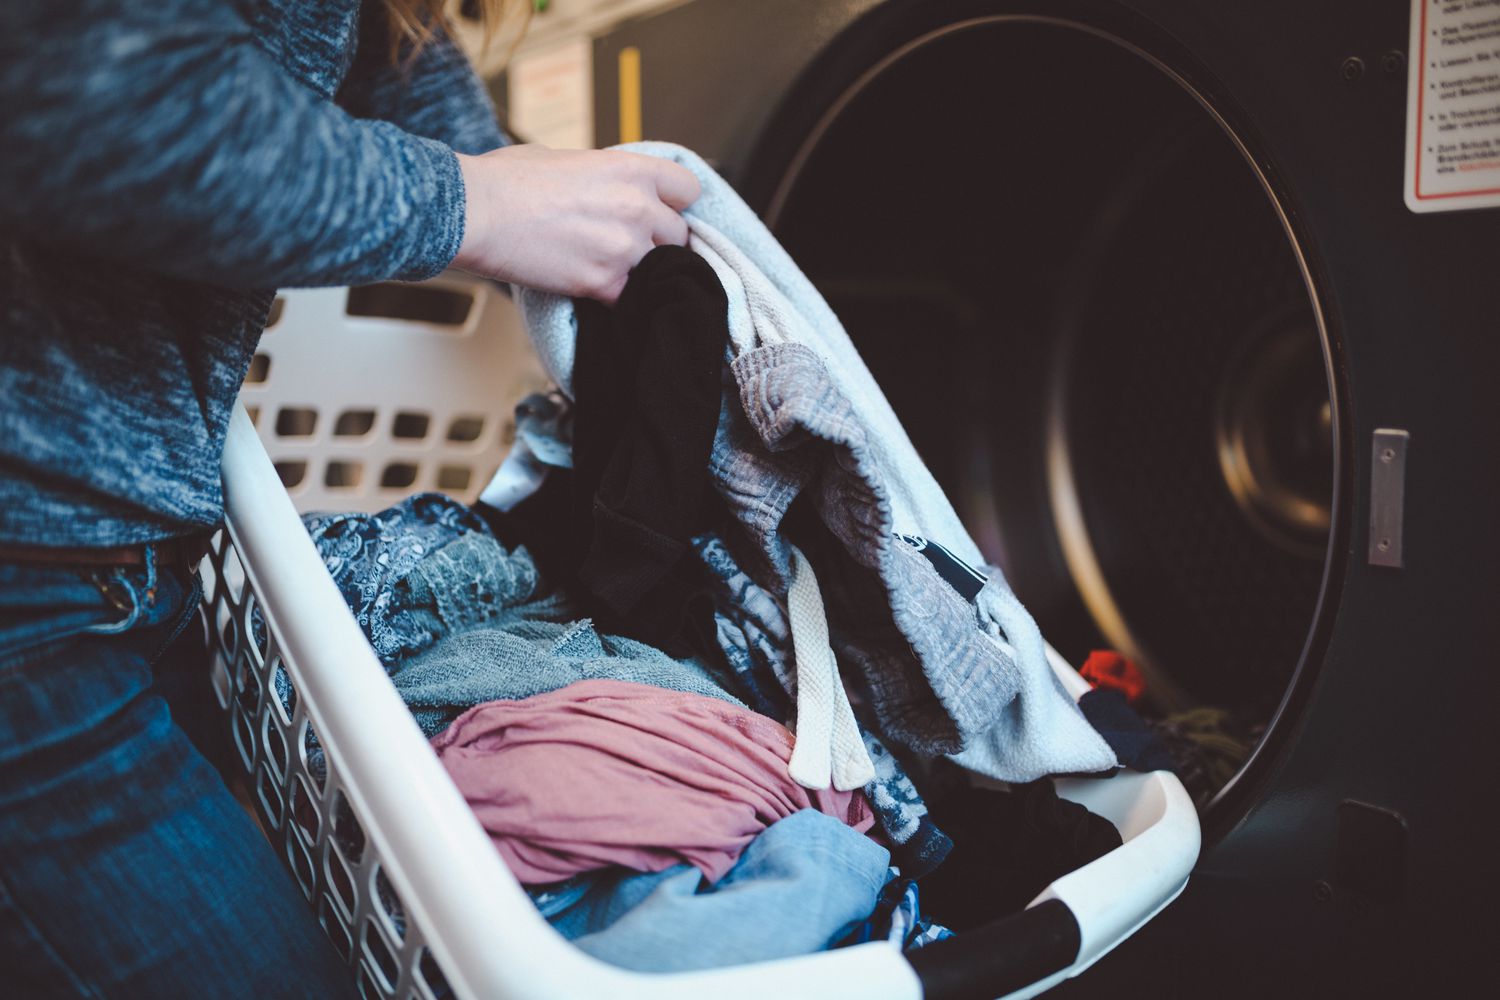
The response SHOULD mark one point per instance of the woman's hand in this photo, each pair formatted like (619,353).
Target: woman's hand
(569,221)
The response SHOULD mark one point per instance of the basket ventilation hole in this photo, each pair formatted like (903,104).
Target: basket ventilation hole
(409,426)
(454,477)
(465,429)
(286,694)
(380,953)
(301,864)
(343,475)
(278,306)
(232,574)
(260,369)
(275,746)
(422,303)
(346,829)
(354,423)
(260,637)
(433,975)
(291,473)
(249,689)
(334,925)
(304,811)
(368,990)
(339,880)
(244,740)
(398,476)
(270,797)
(254,412)
(231,638)
(390,903)
(309,745)
(296,421)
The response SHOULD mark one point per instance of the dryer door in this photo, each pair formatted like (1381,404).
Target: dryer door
(1088,306)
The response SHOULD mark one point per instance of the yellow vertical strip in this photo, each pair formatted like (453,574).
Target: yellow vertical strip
(630,94)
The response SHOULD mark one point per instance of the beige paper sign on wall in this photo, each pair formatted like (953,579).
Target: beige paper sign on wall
(552,95)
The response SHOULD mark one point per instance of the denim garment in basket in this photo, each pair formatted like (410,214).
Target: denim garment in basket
(797,888)
(167,166)
(459,621)
(126,867)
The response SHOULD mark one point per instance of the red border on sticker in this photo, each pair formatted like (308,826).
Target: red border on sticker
(1422,93)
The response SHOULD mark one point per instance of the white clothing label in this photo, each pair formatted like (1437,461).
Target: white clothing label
(552,95)
(1453,105)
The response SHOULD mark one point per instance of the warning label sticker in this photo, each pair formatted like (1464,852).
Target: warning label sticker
(1453,105)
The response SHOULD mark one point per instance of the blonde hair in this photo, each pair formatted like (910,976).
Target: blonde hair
(414,23)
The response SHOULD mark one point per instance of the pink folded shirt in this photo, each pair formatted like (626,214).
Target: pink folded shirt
(605,772)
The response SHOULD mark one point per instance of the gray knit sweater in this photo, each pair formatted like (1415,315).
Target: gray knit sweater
(164,167)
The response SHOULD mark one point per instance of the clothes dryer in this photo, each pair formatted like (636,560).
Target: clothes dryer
(1141,280)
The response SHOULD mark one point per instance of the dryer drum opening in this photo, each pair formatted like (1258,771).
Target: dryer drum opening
(1088,309)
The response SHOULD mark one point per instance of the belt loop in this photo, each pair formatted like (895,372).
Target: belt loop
(150,559)
(106,580)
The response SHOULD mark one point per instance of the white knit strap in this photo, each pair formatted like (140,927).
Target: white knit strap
(828,746)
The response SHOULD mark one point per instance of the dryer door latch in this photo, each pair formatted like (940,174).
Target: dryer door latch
(1387,496)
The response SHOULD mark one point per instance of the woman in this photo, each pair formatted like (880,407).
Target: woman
(164,167)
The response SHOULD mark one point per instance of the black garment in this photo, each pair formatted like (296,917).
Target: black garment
(1131,738)
(1007,847)
(646,382)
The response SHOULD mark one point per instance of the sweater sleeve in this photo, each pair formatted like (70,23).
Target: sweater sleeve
(434,94)
(160,134)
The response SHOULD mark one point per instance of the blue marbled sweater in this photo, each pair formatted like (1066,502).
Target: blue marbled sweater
(164,167)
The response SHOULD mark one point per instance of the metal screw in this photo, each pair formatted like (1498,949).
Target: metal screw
(1388,454)
(1393,62)
(1383,544)
(1352,69)
(1322,891)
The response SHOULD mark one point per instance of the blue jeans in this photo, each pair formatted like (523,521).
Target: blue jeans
(127,869)
(799,887)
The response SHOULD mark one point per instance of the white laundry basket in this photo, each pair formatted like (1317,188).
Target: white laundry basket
(388,854)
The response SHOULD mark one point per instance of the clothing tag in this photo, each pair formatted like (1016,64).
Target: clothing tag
(959,575)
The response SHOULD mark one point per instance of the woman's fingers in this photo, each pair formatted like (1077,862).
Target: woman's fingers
(675,184)
(669,228)
(572,222)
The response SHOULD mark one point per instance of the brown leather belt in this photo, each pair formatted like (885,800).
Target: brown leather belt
(185,551)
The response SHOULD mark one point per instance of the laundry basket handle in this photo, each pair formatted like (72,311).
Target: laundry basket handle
(1000,957)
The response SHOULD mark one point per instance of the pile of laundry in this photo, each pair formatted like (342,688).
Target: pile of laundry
(712,625)
(1204,745)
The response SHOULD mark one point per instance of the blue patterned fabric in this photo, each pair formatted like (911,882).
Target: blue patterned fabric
(368,555)
(458,620)
(752,630)
(898,918)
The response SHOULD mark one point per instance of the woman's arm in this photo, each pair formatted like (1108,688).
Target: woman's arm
(162,135)
(434,93)
(569,221)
